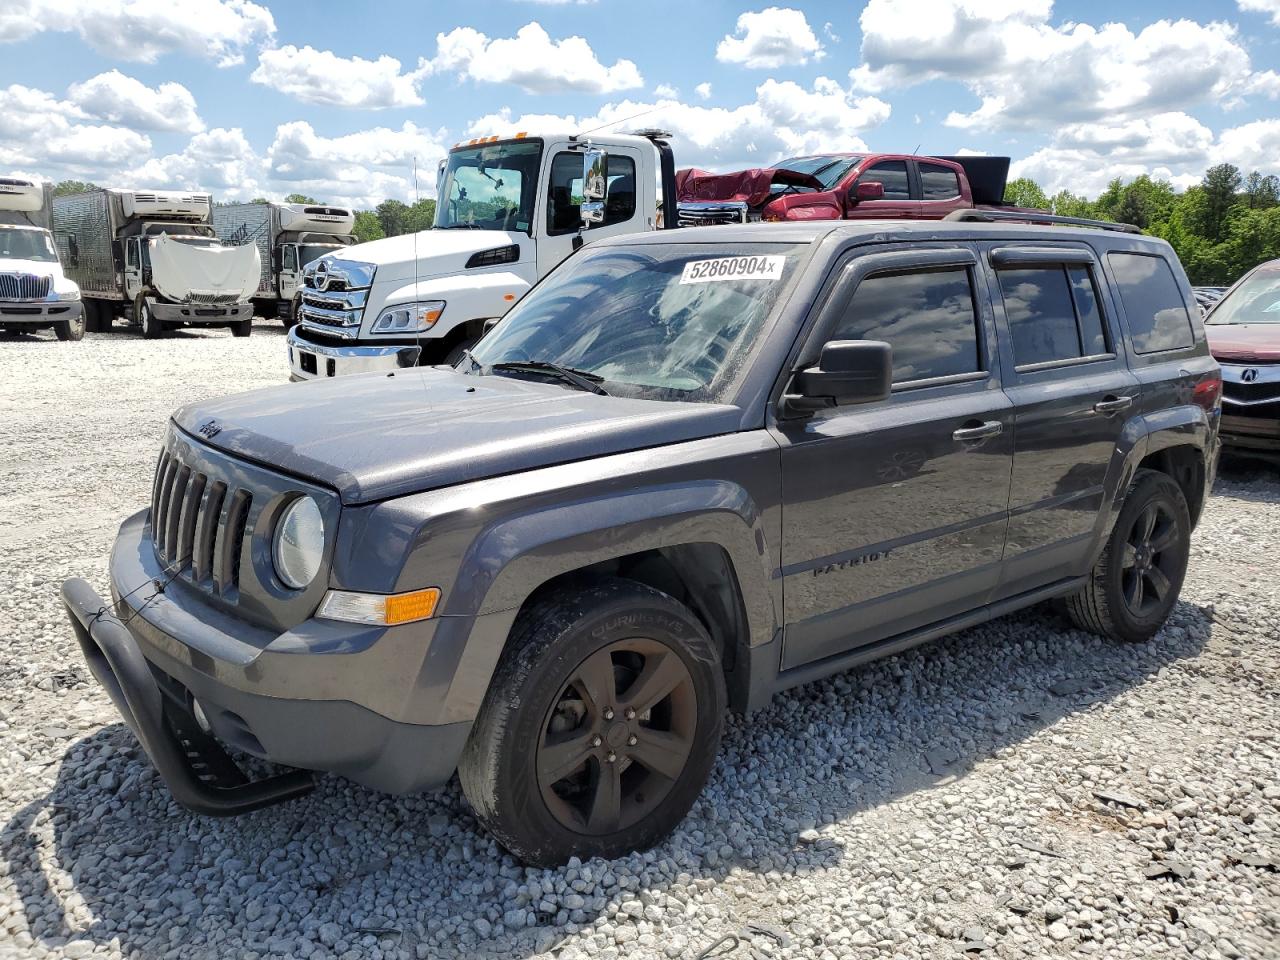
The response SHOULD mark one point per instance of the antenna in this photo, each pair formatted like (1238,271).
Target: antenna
(417,334)
(645,113)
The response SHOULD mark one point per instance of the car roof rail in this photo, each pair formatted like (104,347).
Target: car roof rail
(1011,216)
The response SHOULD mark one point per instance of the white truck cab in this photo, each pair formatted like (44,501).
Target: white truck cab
(508,210)
(34,292)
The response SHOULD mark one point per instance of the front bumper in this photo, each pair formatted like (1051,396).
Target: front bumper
(308,361)
(40,313)
(1253,433)
(301,699)
(195,313)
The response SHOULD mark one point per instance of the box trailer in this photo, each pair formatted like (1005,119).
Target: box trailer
(35,293)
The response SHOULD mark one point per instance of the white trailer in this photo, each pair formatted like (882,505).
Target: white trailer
(153,257)
(34,292)
(288,237)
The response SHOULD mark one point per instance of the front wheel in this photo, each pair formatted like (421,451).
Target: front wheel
(70,329)
(242,328)
(288,312)
(600,725)
(1135,583)
(152,326)
(453,356)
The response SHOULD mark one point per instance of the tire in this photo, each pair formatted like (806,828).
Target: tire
(288,313)
(72,330)
(92,321)
(610,751)
(242,328)
(1149,547)
(454,355)
(152,328)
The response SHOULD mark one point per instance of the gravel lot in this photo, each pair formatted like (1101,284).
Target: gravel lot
(1017,790)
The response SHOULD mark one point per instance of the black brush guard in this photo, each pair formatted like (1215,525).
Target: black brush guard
(197,770)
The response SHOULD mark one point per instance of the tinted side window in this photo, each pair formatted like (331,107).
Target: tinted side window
(1042,319)
(893,174)
(565,194)
(1093,339)
(928,319)
(939,182)
(1158,318)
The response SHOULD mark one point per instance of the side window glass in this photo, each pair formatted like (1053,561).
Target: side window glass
(939,182)
(893,174)
(291,257)
(564,196)
(131,252)
(1158,317)
(621,203)
(1042,316)
(927,317)
(1093,336)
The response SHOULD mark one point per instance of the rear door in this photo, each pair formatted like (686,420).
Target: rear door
(899,203)
(894,512)
(1072,393)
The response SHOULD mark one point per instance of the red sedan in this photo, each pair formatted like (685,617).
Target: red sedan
(1244,335)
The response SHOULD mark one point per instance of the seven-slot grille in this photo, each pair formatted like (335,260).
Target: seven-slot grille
(24,286)
(198,525)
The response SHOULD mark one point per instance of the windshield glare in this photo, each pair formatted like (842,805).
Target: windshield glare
(27,245)
(659,322)
(490,187)
(1257,300)
(827,169)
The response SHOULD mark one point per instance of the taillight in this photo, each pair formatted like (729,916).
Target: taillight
(1208,394)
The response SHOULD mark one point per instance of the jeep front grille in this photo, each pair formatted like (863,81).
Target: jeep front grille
(24,286)
(198,525)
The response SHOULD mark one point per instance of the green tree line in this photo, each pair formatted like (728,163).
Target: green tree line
(1223,226)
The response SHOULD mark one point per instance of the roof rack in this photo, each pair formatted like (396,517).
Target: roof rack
(993,216)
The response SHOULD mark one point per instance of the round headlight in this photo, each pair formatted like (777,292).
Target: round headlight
(299,543)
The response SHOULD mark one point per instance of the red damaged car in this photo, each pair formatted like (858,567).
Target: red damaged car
(1244,335)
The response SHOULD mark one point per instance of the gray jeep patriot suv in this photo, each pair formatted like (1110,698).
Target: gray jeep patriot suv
(688,470)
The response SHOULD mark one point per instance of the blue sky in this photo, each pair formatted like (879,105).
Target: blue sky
(336,99)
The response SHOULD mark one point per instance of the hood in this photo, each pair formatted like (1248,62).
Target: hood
(750,186)
(38,268)
(1250,342)
(372,437)
(180,269)
(435,251)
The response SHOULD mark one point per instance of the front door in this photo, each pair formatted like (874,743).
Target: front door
(898,202)
(132,267)
(1073,395)
(894,512)
(288,271)
(560,225)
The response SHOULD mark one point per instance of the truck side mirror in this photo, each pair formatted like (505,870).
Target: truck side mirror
(595,185)
(848,372)
(868,190)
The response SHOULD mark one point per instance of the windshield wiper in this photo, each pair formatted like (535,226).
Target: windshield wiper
(581,379)
(460,226)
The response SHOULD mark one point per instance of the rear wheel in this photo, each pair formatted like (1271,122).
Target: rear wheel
(92,316)
(600,726)
(1135,583)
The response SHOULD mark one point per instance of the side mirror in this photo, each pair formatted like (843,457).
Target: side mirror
(595,185)
(848,372)
(867,190)
(489,325)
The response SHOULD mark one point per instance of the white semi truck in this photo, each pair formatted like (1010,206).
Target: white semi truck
(34,292)
(288,237)
(508,210)
(153,257)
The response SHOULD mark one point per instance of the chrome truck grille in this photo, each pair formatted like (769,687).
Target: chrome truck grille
(213,299)
(334,294)
(198,525)
(697,213)
(24,286)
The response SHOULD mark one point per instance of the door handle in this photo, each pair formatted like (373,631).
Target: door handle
(978,431)
(1113,405)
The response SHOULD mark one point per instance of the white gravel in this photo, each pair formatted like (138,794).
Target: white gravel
(940,801)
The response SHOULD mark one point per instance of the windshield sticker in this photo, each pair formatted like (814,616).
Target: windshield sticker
(733,268)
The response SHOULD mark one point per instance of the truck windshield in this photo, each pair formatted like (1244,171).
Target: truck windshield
(490,187)
(1257,300)
(314,251)
(827,169)
(27,245)
(670,321)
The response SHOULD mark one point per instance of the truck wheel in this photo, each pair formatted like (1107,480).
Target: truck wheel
(453,356)
(145,317)
(91,316)
(1135,583)
(599,727)
(288,313)
(70,329)
(242,328)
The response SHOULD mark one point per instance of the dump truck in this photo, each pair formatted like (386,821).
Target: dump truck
(152,257)
(35,294)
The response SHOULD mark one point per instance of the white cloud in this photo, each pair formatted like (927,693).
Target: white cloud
(40,132)
(114,97)
(143,30)
(784,119)
(771,38)
(1028,73)
(322,77)
(532,60)
(703,90)
(1253,146)
(666,91)
(1269,7)
(218,160)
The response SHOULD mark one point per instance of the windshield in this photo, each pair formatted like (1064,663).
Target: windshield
(1256,300)
(656,321)
(27,245)
(827,169)
(492,187)
(314,251)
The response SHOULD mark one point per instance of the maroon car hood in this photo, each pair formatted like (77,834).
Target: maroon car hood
(750,186)
(1244,341)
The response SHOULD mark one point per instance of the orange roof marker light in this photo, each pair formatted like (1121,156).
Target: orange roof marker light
(521,135)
